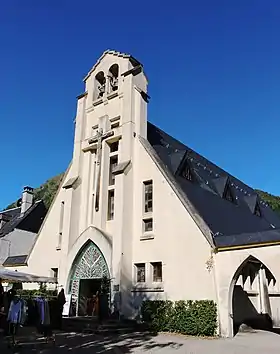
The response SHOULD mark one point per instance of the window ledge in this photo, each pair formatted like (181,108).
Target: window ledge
(252,292)
(97,102)
(274,293)
(144,287)
(112,95)
(147,215)
(147,236)
(58,248)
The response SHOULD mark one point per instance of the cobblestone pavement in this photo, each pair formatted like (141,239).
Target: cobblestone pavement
(249,343)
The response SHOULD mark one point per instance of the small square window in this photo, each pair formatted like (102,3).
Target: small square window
(148,196)
(140,272)
(148,225)
(157,272)
(114,147)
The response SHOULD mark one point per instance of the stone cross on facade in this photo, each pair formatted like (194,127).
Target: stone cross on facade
(98,138)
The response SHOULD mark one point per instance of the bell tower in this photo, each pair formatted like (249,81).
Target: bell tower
(111,115)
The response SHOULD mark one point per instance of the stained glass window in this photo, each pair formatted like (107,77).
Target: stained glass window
(90,264)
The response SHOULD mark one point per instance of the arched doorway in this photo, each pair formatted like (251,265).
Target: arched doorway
(87,272)
(249,296)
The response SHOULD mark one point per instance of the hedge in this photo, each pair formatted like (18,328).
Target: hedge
(196,318)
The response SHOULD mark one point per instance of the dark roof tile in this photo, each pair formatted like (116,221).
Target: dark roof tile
(206,193)
(30,221)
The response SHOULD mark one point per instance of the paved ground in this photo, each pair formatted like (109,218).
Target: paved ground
(249,343)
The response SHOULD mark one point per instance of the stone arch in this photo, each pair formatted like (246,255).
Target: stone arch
(256,274)
(89,258)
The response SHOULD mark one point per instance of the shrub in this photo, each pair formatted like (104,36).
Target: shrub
(197,318)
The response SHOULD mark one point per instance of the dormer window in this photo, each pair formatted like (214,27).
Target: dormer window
(228,194)
(187,173)
(257,210)
(113,78)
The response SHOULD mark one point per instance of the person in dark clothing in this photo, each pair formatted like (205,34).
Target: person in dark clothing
(61,300)
(1,293)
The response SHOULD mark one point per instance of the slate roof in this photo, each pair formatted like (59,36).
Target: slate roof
(14,261)
(231,223)
(30,221)
(10,213)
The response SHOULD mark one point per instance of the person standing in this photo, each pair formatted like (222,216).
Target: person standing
(61,300)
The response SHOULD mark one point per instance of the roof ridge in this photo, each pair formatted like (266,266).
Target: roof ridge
(113,52)
(6,210)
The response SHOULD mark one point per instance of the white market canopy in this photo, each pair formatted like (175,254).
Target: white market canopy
(19,277)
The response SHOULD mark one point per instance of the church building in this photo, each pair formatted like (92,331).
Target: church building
(155,217)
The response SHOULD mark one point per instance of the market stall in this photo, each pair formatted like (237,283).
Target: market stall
(13,276)
(18,310)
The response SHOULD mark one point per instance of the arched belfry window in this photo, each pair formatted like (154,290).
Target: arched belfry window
(113,77)
(100,85)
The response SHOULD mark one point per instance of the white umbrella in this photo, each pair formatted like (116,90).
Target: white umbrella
(14,276)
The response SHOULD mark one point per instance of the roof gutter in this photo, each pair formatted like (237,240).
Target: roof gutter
(242,247)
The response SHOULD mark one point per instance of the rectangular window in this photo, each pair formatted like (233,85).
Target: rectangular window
(55,272)
(114,147)
(113,164)
(148,225)
(115,125)
(140,273)
(111,195)
(60,224)
(148,196)
(157,272)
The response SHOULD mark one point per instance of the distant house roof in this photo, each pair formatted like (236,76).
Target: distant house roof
(30,221)
(10,213)
(233,211)
(15,261)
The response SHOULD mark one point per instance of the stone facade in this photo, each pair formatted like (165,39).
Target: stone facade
(117,213)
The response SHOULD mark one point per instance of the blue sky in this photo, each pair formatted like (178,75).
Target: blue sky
(213,69)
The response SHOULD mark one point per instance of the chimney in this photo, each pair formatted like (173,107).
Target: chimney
(27,199)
